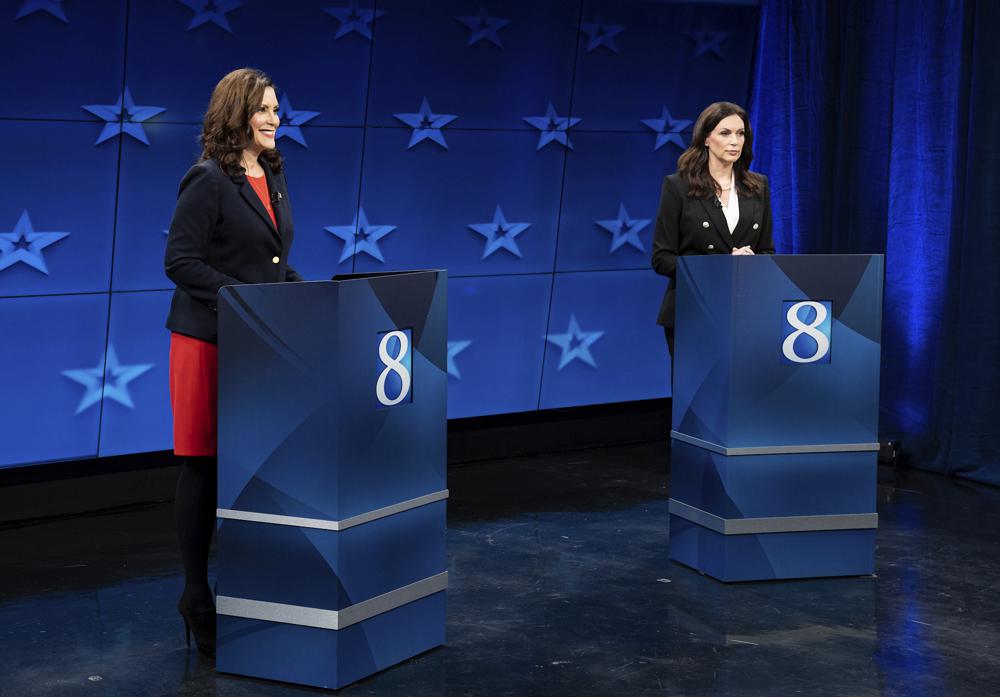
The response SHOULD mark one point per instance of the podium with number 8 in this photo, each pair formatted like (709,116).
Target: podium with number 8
(775,415)
(332,487)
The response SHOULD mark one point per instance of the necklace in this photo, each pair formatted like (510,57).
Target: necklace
(725,188)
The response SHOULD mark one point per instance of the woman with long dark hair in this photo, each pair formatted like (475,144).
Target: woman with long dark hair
(713,204)
(232,224)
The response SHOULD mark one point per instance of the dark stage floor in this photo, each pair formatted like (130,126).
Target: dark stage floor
(560,585)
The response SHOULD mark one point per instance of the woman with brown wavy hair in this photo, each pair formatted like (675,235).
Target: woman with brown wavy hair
(713,204)
(232,224)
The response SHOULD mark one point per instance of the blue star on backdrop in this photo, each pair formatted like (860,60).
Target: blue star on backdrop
(360,236)
(455,348)
(668,129)
(108,379)
(25,245)
(575,344)
(53,7)
(708,41)
(624,230)
(426,125)
(213,11)
(294,118)
(354,19)
(484,28)
(601,34)
(553,127)
(500,234)
(133,117)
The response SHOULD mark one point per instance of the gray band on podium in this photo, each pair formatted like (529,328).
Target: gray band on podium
(775,449)
(335,525)
(331,619)
(757,526)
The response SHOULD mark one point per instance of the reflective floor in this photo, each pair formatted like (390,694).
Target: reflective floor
(560,585)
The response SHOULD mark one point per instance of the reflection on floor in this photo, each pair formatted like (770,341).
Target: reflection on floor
(560,585)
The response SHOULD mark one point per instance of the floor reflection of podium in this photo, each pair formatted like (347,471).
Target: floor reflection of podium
(808,630)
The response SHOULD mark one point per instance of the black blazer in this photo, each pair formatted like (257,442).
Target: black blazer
(221,235)
(698,226)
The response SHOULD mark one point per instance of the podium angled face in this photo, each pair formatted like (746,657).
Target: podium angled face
(775,415)
(332,484)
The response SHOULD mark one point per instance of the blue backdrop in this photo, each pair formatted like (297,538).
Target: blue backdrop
(877,123)
(519,144)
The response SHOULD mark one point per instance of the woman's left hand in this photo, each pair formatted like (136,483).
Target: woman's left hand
(740,251)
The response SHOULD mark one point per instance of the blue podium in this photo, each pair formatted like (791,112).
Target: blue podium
(332,480)
(775,415)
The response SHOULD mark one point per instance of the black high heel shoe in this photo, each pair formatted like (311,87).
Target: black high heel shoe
(202,623)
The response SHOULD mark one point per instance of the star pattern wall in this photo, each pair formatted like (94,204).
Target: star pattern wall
(211,12)
(574,344)
(500,234)
(482,27)
(426,125)
(543,174)
(53,8)
(24,245)
(109,379)
(124,116)
(553,128)
(292,121)
(353,19)
(360,237)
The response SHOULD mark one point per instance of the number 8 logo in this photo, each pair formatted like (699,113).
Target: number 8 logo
(393,364)
(811,330)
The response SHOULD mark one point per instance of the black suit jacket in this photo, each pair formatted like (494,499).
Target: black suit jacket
(221,235)
(698,226)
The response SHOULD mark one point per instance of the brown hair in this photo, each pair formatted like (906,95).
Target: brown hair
(226,130)
(692,165)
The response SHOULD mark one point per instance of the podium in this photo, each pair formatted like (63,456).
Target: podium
(775,415)
(332,479)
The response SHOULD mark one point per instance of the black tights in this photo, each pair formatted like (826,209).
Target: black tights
(194,509)
(669,333)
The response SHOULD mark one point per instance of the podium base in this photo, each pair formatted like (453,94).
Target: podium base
(329,658)
(772,556)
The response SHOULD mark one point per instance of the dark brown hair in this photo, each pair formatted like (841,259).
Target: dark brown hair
(692,165)
(226,130)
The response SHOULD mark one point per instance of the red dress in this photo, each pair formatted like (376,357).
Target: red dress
(194,379)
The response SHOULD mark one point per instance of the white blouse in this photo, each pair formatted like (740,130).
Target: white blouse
(732,211)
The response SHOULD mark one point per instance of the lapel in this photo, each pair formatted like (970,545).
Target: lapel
(748,215)
(719,224)
(275,191)
(251,197)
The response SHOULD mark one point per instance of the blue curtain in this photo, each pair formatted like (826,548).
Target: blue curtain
(879,126)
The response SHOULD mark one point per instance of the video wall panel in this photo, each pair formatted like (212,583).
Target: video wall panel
(610,199)
(449,210)
(179,53)
(147,188)
(521,145)
(601,345)
(496,338)
(638,58)
(57,209)
(488,63)
(58,57)
(136,412)
(53,358)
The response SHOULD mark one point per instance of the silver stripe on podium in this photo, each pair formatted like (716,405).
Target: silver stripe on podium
(331,619)
(757,526)
(775,449)
(336,525)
